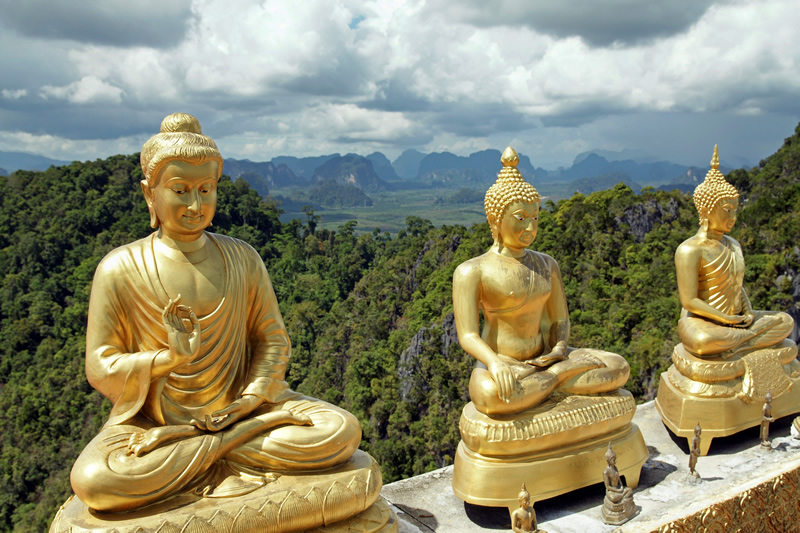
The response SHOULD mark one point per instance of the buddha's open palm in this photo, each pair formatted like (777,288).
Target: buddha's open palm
(184,342)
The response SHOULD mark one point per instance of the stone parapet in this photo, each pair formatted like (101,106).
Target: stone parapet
(742,487)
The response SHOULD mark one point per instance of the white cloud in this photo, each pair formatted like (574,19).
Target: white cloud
(88,89)
(13,94)
(296,77)
(68,149)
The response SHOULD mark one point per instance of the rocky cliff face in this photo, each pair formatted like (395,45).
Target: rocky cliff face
(350,169)
(261,174)
(441,337)
(641,218)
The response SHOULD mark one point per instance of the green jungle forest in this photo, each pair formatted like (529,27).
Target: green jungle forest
(369,314)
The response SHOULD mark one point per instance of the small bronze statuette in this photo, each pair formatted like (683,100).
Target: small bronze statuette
(766,418)
(618,505)
(694,453)
(523,520)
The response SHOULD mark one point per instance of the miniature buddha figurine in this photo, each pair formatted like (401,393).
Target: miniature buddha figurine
(186,339)
(618,506)
(730,355)
(694,450)
(523,519)
(531,392)
(766,418)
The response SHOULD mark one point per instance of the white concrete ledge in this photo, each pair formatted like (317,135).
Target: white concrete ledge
(666,491)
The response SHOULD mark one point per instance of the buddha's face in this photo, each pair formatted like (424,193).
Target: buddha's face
(723,216)
(184,198)
(519,225)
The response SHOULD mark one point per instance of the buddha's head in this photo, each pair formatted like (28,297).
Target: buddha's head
(697,430)
(768,397)
(611,456)
(524,497)
(512,205)
(716,200)
(181,168)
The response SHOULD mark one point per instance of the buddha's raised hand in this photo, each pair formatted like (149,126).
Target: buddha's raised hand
(184,343)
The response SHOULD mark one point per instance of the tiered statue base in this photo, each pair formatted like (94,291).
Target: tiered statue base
(554,448)
(342,499)
(616,514)
(726,395)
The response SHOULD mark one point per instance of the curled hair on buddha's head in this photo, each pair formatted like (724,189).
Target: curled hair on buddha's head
(713,189)
(509,188)
(181,138)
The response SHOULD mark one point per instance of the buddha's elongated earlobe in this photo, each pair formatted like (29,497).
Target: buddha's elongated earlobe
(153,218)
(148,198)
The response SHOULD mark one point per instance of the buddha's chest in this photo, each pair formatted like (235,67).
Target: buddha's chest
(721,261)
(510,286)
(200,286)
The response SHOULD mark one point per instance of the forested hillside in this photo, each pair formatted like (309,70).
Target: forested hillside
(370,315)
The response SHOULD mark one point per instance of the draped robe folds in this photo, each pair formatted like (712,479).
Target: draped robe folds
(720,284)
(244,350)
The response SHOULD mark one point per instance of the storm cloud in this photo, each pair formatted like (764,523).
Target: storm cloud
(151,23)
(599,23)
(315,77)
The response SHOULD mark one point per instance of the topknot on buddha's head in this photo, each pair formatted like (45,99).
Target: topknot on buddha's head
(611,455)
(713,189)
(181,138)
(509,188)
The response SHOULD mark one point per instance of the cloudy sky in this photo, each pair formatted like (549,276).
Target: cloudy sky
(88,79)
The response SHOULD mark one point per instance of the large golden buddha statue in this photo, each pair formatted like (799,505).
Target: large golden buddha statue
(536,402)
(186,339)
(730,356)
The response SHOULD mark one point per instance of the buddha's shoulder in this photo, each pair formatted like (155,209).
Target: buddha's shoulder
(471,268)
(233,245)
(125,255)
(542,259)
(732,242)
(693,244)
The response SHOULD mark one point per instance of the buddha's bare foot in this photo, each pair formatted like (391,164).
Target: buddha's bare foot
(285,416)
(574,366)
(142,443)
(543,361)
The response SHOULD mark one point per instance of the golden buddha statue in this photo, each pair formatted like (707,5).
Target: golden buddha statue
(535,400)
(730,355)
(186,339)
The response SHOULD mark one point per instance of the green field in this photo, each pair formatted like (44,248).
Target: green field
(390,209)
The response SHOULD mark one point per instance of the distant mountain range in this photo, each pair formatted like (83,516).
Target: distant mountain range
(593,170)
(11,161)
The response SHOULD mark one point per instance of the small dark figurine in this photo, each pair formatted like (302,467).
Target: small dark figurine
(523,520)
(618,506)
(766,418)
(694,453)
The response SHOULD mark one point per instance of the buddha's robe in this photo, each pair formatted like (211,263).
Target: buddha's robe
(720,284)
(244,350)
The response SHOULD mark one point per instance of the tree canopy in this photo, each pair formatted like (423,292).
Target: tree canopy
(370,316)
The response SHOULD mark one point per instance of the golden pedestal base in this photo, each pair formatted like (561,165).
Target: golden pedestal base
(344,499)
(495,481)
(718,416)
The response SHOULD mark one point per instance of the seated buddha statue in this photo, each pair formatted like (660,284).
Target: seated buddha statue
(730,354)
(531,392)
(186,339)
(717,317)
(618,506)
